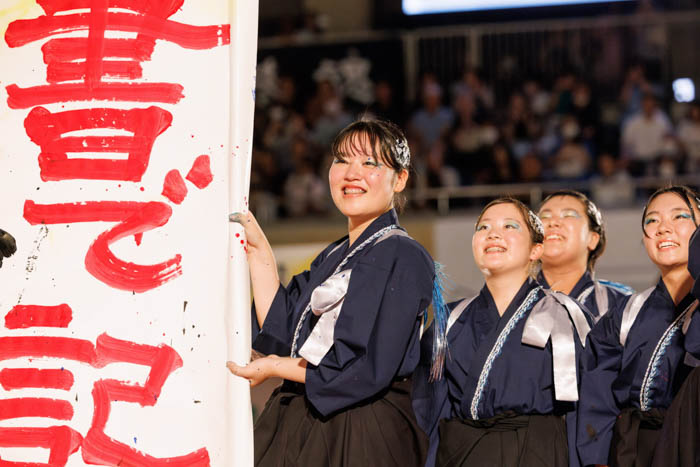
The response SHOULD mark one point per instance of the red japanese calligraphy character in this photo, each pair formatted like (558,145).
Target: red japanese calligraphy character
(134,218)
(96,446)
(61,441)
(46,129)
(95,57)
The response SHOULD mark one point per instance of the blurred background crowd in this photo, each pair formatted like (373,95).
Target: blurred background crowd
(599,102)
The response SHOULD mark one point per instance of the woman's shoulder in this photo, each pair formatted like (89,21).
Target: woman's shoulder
(400,249)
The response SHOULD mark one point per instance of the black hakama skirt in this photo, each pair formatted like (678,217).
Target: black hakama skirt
(679,439)
(506,440)
(381,431)
(634,437)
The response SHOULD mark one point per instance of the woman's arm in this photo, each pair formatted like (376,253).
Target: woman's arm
(257,371)
(261,260)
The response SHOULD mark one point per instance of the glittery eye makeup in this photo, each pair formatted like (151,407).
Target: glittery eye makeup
(512,225)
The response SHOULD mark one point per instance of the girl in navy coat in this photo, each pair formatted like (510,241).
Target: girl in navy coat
(344,335)
(510,369)
(634,360)
(574,239)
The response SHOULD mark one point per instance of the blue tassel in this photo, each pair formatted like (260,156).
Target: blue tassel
(440,316)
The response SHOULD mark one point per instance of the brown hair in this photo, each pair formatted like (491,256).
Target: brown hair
(595,223)
(387,141)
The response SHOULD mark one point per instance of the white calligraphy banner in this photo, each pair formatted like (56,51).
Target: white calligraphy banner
(126,141)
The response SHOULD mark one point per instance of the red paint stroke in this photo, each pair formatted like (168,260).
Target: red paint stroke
(163,359)
(71,71)
(23,98)
(46,129)
(35,407)
(200,173)
(100,449)
(97,25)
(20,378)
(174,187)
(71,59)
(29,316)
(24,31)
(97,447)
(165,8)
(138,238)
(133,218)
(51,347)
(71,49)
(61,441)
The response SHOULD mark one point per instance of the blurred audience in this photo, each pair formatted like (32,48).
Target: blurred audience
(643,137)
(547,128)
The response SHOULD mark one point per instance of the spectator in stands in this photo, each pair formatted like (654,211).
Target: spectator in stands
(283,126)
(530,170)
(634,88)
(304,191)
(332,119)
(465,140)
(572,161)
(643,137)
(537,97)
(612,186)
(473,83)
(503,168)
(433,120)
(385,106)
(438,174)
(585,109)
(517,126)
(563,95)
(325,91)
(266,181)
(670,158)
(689,137)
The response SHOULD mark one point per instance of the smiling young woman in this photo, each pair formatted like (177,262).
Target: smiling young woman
(635,357)
(574,239)
(344,335)
(503,395)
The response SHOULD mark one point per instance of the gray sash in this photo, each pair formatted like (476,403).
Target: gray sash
(548,320)
(327,301)
(689,359)
(601,300)
(457,312)
(629,315)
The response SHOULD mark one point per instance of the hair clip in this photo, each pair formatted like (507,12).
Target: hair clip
(403,153)
(536,222)
(595,212)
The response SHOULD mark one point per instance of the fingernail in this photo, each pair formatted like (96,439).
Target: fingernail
(234,217)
